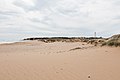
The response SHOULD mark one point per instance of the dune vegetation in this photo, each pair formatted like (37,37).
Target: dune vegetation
(113,41)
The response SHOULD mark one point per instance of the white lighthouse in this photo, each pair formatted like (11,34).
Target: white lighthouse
(95,34)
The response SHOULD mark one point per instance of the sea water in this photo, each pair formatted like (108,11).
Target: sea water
(9,41)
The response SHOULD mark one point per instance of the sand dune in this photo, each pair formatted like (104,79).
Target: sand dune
(35,60)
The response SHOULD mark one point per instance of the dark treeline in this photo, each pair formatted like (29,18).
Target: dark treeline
(40,38)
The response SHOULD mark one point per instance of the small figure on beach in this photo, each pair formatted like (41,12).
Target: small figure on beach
(89,76)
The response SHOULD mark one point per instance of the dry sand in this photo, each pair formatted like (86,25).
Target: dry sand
(58,61)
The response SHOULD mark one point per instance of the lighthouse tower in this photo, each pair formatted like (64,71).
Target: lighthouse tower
(95,34)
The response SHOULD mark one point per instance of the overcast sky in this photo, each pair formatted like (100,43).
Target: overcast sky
(28,18)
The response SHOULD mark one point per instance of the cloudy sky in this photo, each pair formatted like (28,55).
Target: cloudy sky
(28,18)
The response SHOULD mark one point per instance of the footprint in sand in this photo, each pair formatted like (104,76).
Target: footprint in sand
(106,51)
(61,68)
(57,72)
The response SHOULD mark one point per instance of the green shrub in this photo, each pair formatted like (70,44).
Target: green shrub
(103,44)
(112,43)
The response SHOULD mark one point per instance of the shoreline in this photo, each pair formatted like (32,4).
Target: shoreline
(11,42)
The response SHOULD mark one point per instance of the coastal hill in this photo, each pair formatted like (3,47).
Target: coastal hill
(111,41)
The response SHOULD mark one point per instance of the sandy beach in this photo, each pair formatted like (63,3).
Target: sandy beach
(36,60)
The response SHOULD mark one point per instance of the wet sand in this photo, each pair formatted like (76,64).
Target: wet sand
(35,60)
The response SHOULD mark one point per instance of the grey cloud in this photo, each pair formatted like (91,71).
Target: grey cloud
(74,13)
(35,20)
(68,12)
(2,17)
(116,17)
(53,7)
(39,4)
(45,20)
(60,29)
(44,3)
(116,2)
(8,13)
(23,5)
